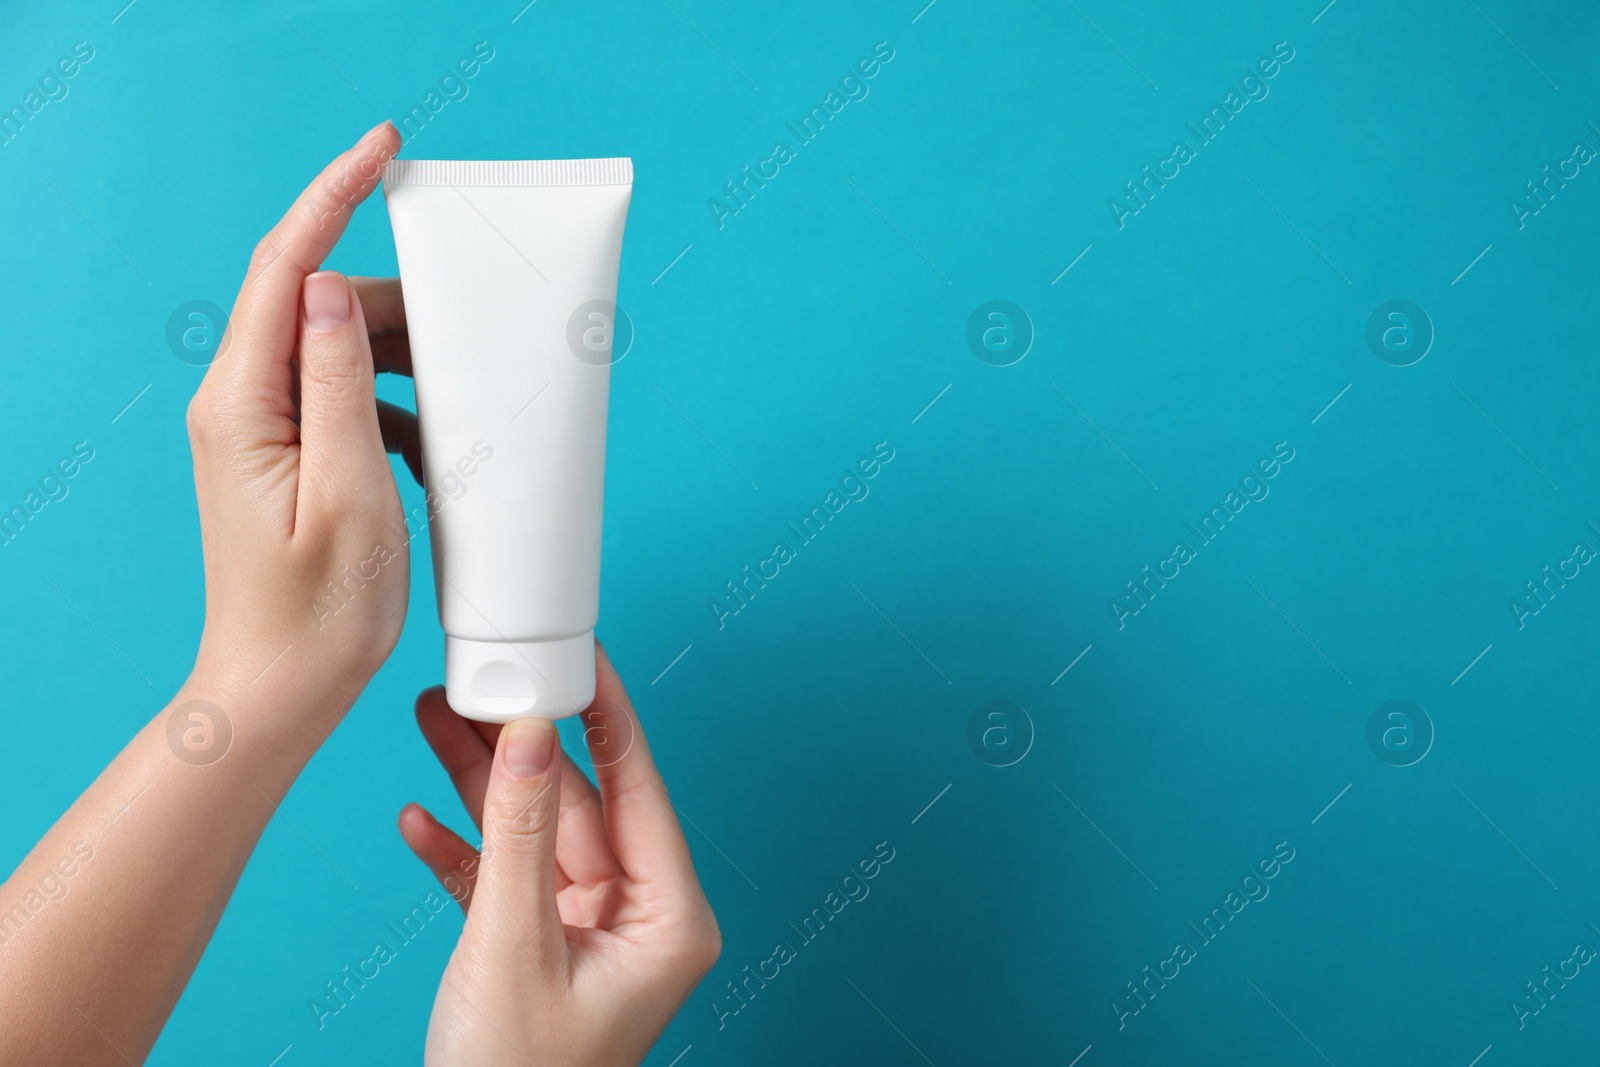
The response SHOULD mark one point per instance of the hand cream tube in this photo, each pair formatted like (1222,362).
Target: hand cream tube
(510,278)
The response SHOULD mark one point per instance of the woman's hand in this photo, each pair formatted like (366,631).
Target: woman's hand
(295,498)
(306,553)
(586,927)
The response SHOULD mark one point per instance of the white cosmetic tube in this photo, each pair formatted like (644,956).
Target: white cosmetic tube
(510,278)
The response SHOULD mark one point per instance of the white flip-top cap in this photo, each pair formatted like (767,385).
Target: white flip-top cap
(498,681)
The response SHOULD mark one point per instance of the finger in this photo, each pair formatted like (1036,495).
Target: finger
(514,903)
(385,309)
(640,819)
(441,849)
(583,850)
(384,303)
(391,353)
(401,435)
(342,446)
(461,749)
(264,323)
(465,749)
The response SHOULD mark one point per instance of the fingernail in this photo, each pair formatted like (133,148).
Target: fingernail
(370,134)
(529,746)
(327,300)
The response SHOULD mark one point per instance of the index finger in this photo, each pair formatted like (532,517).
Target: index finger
(266,316)
(640,818)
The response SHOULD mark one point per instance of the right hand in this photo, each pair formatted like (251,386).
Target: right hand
(586,926)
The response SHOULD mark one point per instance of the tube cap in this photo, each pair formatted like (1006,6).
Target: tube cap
(498,681)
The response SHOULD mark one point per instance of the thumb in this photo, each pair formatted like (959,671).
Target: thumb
(338,414)
(514,905)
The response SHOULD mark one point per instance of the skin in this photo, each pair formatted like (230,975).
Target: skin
(104,921)
(586,927)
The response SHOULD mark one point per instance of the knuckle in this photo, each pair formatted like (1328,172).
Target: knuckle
(710,948)
(202,421)
(329,199)
(523,821)
(644,784)
(285,246)
(267,251)
(335,369)
(700,947)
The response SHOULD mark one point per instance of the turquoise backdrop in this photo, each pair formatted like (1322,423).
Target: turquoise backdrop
(1287,416)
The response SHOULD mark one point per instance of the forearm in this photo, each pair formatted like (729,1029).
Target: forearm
(104,921)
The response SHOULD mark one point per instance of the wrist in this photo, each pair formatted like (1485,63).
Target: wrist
(286,693)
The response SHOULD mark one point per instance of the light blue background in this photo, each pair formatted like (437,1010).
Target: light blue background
(1221,721)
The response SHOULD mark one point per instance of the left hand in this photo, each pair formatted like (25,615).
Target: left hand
(306,551)
(293,488)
